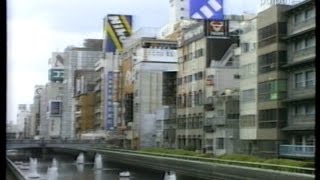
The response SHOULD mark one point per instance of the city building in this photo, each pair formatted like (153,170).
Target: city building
(144,61)
(76,58)
(221,104)
(35,111)
(299,128)
(84,101)
(248,85)
(199,45)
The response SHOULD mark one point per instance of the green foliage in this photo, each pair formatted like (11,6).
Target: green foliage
(234,159)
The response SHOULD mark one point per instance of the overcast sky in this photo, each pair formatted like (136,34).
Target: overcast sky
(37,28)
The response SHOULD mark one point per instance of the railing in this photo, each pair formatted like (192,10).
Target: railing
(303,54)
(297,151)
(300,26)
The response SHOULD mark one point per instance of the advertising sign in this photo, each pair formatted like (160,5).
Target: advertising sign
(56,75)
(216,28)
(55,108)
(109,110)
(117,29)
(206,9)
(57,61)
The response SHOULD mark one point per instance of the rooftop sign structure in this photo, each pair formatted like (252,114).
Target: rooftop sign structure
(206,9)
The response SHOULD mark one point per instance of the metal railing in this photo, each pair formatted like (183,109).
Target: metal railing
(297,151)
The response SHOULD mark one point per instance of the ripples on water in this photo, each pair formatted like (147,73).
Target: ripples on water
(69,170)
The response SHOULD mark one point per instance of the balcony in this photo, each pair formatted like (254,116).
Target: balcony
(208,105)
(298,151)
(302,26)
(303,54)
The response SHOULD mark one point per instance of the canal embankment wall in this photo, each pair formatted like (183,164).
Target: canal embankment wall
(198,169)
(15,170)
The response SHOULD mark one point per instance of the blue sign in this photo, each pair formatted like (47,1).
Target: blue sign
(109,114)
(206,9)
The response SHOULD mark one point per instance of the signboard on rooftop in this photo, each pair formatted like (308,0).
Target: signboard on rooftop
(117,29)
(206,9)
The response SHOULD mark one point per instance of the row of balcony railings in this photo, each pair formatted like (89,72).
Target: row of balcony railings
(302,54)
(296,27)
(307,151)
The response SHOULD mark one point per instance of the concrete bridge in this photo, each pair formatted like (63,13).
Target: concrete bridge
(82,145)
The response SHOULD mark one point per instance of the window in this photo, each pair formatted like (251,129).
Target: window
(298,18)
(236,76)
(268,118)
(309,13)
(267,62)
(298,140)
(299,110)
(299,45)
(220,143)
(247,120)
(248,95)
(310,140)
(247,70)
(298,80)
(272,90)
(190,78)
(190,100)
(267,31)
(310,109)
(196,98)
(310,78)
(244,47)
(200,97)
(182,9)
(310,41)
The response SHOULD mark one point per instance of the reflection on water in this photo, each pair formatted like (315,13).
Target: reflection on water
(69,170)
(98,174)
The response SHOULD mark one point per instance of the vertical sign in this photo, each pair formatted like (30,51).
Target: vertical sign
(206,9)
(109,111)
(117,29)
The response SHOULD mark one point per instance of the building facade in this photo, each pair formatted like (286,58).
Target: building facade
(76,58)
(299,128)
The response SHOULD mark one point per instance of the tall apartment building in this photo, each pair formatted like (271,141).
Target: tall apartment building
(76,58)
(198,46)
(23,120)
(271,79)
(248,85)
(84,101)
(36,109)
(148,59)
(299,129)
(277,61)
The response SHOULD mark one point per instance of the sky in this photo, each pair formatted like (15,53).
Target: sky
(36,28)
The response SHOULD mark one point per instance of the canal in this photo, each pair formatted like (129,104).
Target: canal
(69,170)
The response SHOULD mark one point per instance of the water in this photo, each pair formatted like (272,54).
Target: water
(68,169)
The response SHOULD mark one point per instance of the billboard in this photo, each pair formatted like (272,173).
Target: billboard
(216,28)
(206,9)
(117,29)
(56,75)
(55,108)
(57,61)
